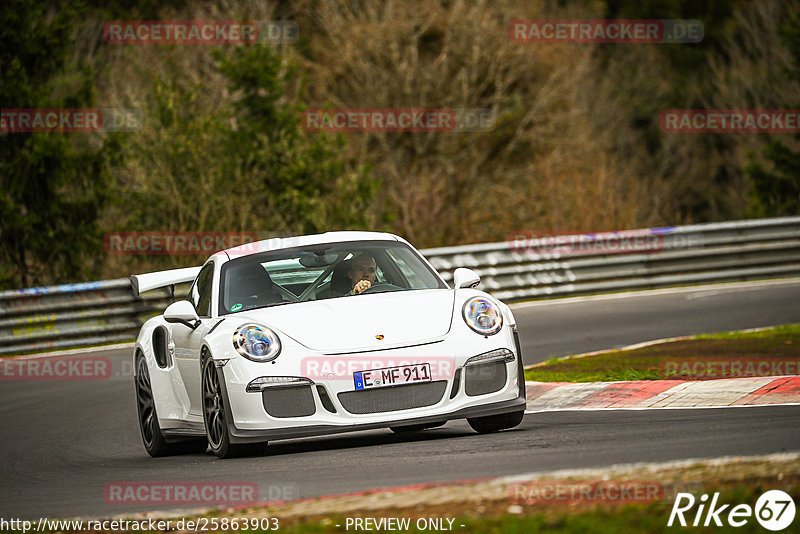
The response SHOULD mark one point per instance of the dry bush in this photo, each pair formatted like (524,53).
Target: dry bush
(545,166)
(754,75)
(696,177)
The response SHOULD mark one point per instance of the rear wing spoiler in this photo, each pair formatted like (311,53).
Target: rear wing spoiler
(148,281)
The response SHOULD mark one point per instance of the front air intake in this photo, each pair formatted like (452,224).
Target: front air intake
(389,399)
(289,401)
(485,378)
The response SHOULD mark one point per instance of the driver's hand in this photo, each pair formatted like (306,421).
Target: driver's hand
(363,285)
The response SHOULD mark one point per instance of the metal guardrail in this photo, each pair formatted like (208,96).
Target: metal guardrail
(682,255)
(76,315)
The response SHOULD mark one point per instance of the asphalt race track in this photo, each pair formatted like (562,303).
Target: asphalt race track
(65,440)
(563,327)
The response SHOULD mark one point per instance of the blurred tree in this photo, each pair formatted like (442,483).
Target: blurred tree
(135,9)
(302,181)
(683,72)
(52,185)
(716,16)
(228,153)
(776,191)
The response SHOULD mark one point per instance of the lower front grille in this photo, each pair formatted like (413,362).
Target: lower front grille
(485,378)
(389,399)
(291,401)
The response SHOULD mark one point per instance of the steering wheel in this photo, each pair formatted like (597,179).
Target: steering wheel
(381,286)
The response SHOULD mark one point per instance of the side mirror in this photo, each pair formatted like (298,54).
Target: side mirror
(182,312)
(465,278)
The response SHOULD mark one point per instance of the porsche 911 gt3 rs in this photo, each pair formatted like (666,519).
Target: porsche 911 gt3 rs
(320,334)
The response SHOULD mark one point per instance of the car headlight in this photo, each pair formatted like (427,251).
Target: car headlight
(483,316)
(257,343)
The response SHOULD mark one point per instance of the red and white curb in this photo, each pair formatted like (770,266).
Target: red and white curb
(646,394)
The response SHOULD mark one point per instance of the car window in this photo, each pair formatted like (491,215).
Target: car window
(292,273)
(401,258)
(200,293)
(320,272)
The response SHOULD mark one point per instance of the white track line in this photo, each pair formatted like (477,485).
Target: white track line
(730,286)
(645,408)
(69,352)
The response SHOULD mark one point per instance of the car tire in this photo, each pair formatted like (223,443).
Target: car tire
(215,419)
(494,423)
(154,441)
(414,428)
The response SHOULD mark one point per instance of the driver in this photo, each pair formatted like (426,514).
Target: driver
(362,273)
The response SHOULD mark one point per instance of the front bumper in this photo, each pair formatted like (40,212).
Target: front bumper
(247,436)
(327,407)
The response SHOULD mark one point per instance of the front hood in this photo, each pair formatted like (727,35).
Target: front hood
(351,324)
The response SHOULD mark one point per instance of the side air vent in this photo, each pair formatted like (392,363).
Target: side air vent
(325,399)
(160,350)
(456,383)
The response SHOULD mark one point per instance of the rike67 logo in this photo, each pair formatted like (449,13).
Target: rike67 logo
(774,510)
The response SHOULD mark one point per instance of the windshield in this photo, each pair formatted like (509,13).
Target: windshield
(322,272)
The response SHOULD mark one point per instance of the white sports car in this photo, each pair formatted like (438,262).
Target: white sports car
(320,334)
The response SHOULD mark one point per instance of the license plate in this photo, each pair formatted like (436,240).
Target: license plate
(392,376)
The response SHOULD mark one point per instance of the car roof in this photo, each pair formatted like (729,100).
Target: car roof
(278,243)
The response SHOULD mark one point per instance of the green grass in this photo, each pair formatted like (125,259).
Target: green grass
(649,363)
(764,333)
